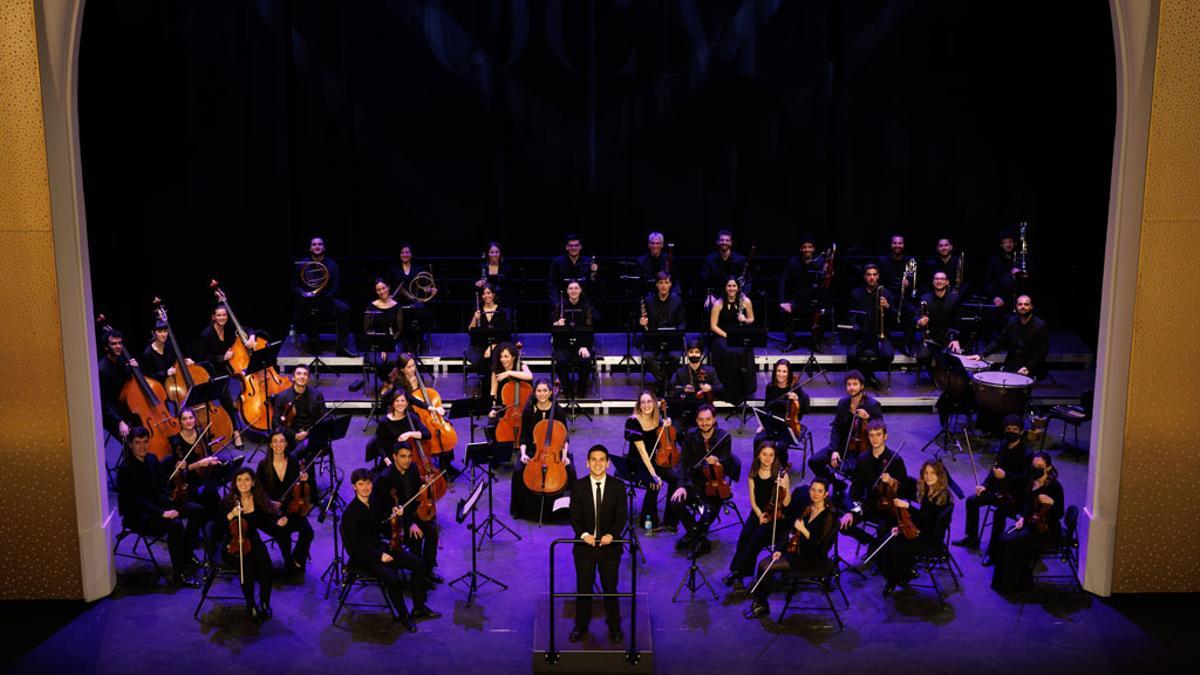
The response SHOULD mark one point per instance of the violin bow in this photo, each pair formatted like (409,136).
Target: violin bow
(199,437)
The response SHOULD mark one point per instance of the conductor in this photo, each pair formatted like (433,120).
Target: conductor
(598,514)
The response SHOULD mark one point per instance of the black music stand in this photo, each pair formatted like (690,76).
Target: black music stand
(335,572)
(375,343)
(623,471)
(955,403)
(321,437)
(745,338)
(630,289)
(467,506)
(573,337)
(661,341)
(486,456)
(470,408)
(683,411)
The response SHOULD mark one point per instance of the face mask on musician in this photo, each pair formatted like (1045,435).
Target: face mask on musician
(695,359)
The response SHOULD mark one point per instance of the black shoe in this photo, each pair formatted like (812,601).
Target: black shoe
(987,561)
(436,578)
(356,385)
(408,624)
(788,347)
(255,614)
(686,541)
(185,581)
(576,635)
(343,351)
(966,542)
(729,579)
(757,610)
(888,589)
(701,547)
(264,610)
(616,636)
(425,613)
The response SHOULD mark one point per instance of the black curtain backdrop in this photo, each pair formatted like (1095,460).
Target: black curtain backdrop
(219,136)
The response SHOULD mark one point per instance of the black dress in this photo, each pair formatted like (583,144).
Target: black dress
(388,430)
(497,325)
(896,559)
(277,490)
(776,403)
(527,504)
(376,322)
(735,365)
(812,552)
(256,564)
(755,535)
(1013,556)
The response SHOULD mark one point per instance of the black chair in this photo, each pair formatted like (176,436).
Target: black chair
(320,313)
(825,579)
(356,578)
(146,542)
(937,557)
(214,571)
(1066,550)
(1070,415)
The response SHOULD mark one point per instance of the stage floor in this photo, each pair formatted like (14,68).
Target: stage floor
(145,627)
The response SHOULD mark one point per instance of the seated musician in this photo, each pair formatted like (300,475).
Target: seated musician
(525,504)
(114,373)
(506,365)
(158,359)
(893,276)
(399,483)
(1004,279)
(315,287)
(369,555)
(1001,488)
(278,474)
(810,538)
(144,500)
(382,318)
(945,261)
(571,266)
(199,485)
(938,317)
(695,382)
(574,310)
(406,377)
(1039,525)
(645,430)
(800,293)
(246,501)
(215,350)
(855,404)
(895,560)
(781,392)
(494,269)
(735,364)
(767,517)
(1025,338)
(870,479)
(720,265)
(299,407)
(652,262)
(401,277)
(702,447)
(662,310)
(492,321)
(399,425)
(874,312)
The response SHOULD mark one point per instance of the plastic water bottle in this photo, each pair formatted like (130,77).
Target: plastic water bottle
(648,523)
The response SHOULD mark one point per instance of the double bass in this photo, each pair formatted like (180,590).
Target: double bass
(545,473)
(146,400)
(186,376)
(257,388)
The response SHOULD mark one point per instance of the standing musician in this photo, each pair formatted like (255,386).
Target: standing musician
(143,498)
(315,284)
(382,316)
(874,310)
(573,309)
(157,360)
(571,266)
(779,396)
(947,261)
(800,291)
(1038,526)
(405,277)
(246,501)
(525,504)
(399,483)
(695,382)
(197,470)
(938,317)
(1002,487)
(299,407)
(370,556)
(856,404)
(719,266)
(812,533)
(893,275)
(704,446)
(216,350)
(113,374)
(1004,279)
(279,475)
(933,501)
(645,430)
(768,514)
(598,514)
(735,365)
(494,268)
(1025,338)
(870,477)
(399,425)
(492,320)
(662,310)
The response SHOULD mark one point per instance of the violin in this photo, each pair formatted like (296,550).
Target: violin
(886,493)
(715,485)
(793,409)
(396,541)
(856,440)
(180,490)
(777,499)
(146,399)
(702,378)
(300,496)
(1040,518)
(513,395)
(397,525)
(793,542)
(443,437)
(239,536)
(257,388)
(209,413)
(667,452)
(545,473)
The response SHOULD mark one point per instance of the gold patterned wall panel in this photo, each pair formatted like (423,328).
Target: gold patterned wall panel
(1158,519)
(35,459)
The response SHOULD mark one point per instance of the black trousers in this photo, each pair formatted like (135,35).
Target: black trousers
(999,518)
(181,532)
(589,559)
(650,500)
(283,537)
(1013,557)
(870,357)
(688,513)
(567,363)
(424,548)
(305,324)
(389,574)
(661,365)
(256,569)
(754,537)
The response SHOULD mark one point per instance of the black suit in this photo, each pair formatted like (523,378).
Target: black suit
(611,519)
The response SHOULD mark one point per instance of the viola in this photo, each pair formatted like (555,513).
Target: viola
(396,542)
(442,436)
(146,399)
(257,388)
(545,473)
(886,494)
(793,410)
(856,440)
(702,378)
(667,452)
(777,499)
(793,542)
(239,537)
(715,485)
(208,413)
(300,496)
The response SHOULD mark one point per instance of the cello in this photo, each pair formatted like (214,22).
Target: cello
(545,473)
(257,388)
(443,437)
(146,400)
(186,376)
(427,508)
(513,395)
